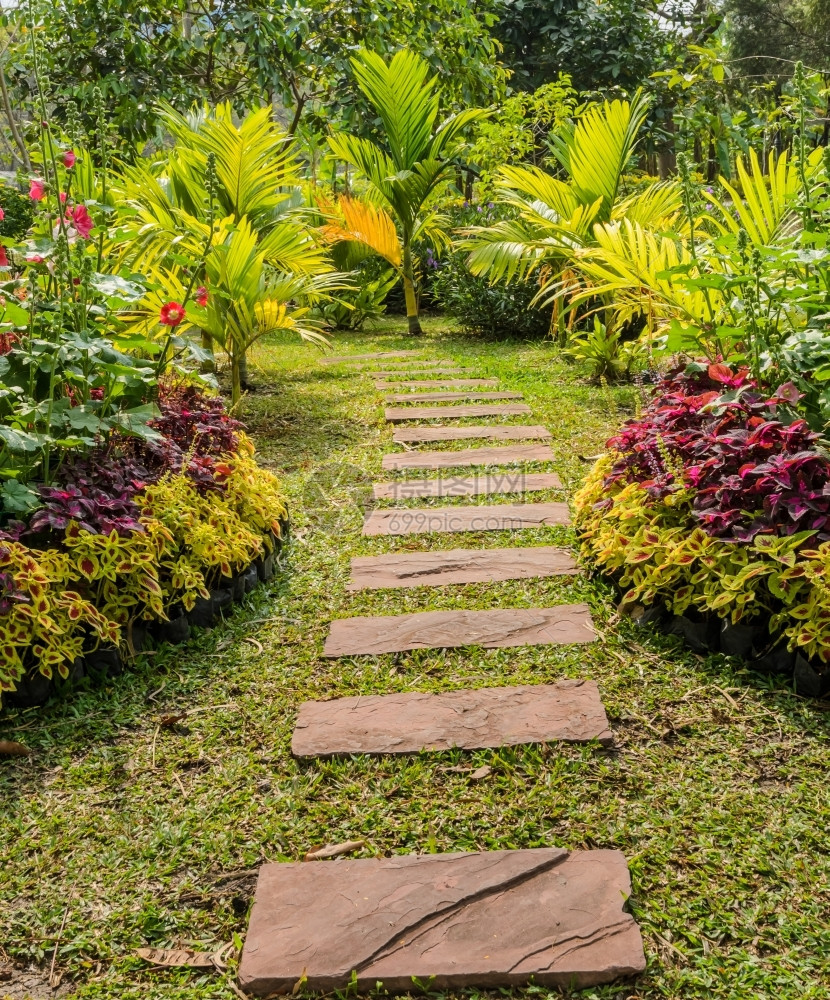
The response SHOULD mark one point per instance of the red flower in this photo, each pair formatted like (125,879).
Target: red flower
(171,314)
(4,259)
(37,189)
(80,220)
(69,159)
(201,296)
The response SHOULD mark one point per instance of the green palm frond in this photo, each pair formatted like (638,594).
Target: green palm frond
(405,98)
(596,151)
(766,205)
(255,164)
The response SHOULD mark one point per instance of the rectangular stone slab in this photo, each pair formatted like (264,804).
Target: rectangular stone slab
(498,432)
(412,721)
(405,368)
(431,383)
(447,397)
(434,569)
(499,628)
(510,481)
(491,517)
(348,358)
(480,919)
(397,414)
(468,456)
(403,373)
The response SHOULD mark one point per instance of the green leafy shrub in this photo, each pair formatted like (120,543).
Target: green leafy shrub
(18,213)
(479,305)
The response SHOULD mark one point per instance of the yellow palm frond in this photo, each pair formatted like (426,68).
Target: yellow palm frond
(368,224)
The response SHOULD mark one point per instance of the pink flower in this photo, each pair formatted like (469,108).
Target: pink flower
(171,314)
(37,189)
(201,296)
(34,258)
(2,215)
(4,259)
(69,159)
(62,197)
(80,220)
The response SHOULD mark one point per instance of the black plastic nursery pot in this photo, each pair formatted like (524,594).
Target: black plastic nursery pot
(707,633)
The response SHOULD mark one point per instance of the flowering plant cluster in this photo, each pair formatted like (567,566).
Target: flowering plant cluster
(750,464)
(716,500)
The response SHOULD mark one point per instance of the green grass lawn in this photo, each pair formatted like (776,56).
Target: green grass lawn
(126,833)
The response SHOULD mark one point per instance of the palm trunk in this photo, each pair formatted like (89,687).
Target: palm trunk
(243,371)
(409,293)
(236,374)
(207,345)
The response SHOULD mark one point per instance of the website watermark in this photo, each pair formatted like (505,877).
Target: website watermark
(459,486)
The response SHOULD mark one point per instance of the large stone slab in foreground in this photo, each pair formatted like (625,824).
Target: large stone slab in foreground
(485,919)
(457,383)
(507,455)
(447,397)
(497,432)
(411,721)
(348,358)
(496,629)
(397,414)
(510,481)
(490,517)
(431,569)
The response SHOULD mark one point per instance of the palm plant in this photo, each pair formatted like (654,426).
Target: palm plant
(223,193)
(407,168)
(556,218)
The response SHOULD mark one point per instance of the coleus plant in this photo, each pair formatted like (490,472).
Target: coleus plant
(749,463)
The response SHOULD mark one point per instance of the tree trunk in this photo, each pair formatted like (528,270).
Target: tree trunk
(409,293)
(236,370)
(243,371)
(207,345)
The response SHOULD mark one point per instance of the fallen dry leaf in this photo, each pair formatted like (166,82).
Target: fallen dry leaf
(172,721)
(184,957)
(334,850)
(13,749)
(260,649)
(481,773)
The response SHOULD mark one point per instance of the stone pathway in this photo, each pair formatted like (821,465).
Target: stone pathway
(412,721)
(506,432)
(508,455)
(494,517)
(447,397)
(397,414)
(480,919)
(500,628)
(468,383)
(483,919)
(438,568)
(467,486)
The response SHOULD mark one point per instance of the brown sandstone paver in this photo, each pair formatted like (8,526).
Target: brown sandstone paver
(433,569)
(431,383)
(397,414)
(447,397)
(498,432)
(507,455)
(348,358)
(488,517)
(478,484)
(411,721)
(497,628)
(403,373)
(484,919)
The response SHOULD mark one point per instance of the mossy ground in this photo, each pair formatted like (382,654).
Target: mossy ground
(128,832)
